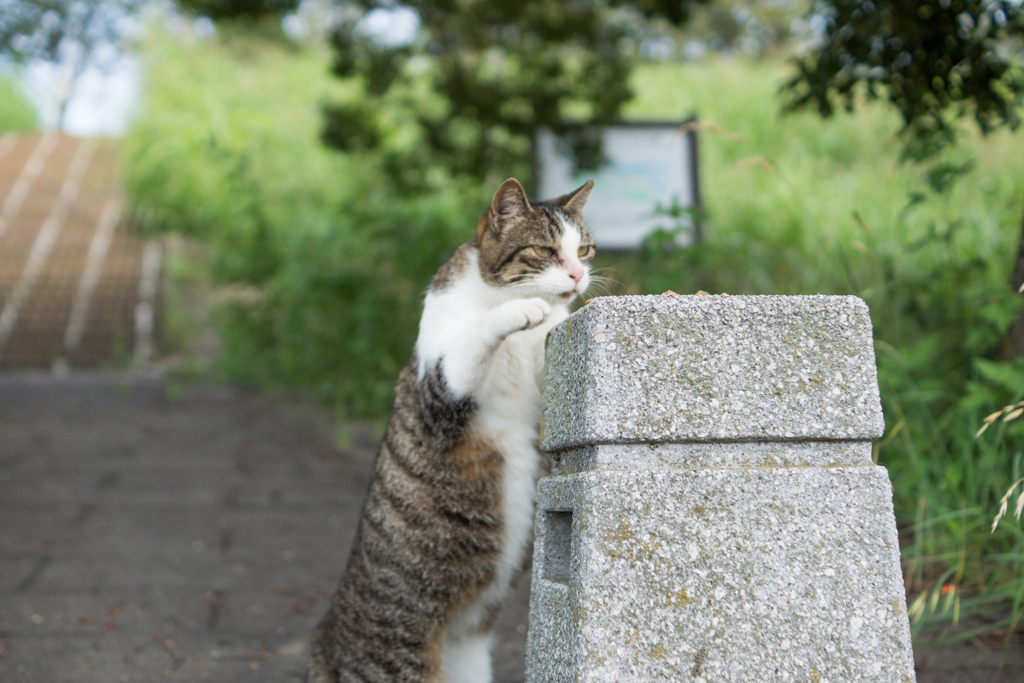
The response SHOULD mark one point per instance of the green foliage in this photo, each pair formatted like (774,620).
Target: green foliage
(750,27)
(934,61)
(16,114)
(325,267)
(490,74)
(238,9)
(52,30)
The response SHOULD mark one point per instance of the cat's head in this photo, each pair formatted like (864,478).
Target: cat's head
(540,249)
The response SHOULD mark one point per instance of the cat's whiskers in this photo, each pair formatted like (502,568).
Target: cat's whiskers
(526,288)
(601,285)
(533,284)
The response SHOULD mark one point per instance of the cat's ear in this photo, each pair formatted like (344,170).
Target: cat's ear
(575,200)
(509,201)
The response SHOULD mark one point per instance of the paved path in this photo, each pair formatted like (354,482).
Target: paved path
(71,267)
(151,532)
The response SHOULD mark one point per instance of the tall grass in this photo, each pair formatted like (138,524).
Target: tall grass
(327,264)
(16,114)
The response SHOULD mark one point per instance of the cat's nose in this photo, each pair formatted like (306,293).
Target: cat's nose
(576,275)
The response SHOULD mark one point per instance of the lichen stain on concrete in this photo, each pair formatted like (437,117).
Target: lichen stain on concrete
(622,533)
(658,652)
(678,599)
(579,615)
(698,662)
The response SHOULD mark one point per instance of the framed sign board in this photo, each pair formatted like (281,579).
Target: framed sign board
(649,165)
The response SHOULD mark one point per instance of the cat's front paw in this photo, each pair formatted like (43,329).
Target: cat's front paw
(520,314)
(535,311)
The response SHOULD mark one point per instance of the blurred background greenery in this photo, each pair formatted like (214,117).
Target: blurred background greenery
(319,168)
(16,113)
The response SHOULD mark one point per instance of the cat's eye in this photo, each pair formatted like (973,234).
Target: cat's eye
(584,250)
(543,252)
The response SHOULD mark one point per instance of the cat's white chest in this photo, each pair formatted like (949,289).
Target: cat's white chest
(503,375)
(510,407)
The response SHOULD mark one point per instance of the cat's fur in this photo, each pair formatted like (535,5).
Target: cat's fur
(447,520)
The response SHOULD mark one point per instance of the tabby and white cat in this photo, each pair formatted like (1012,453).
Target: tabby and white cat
(447,520)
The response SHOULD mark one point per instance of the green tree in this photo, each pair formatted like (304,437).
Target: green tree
(239,9)
(494,71)
(73,34)
(936,61)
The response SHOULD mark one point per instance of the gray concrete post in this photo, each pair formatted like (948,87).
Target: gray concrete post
(713,512)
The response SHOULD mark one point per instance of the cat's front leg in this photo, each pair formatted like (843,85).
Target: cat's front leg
(465,367)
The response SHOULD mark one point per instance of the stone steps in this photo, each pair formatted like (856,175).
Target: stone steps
(48,243)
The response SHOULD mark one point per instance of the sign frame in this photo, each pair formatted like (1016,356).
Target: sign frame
(559,181)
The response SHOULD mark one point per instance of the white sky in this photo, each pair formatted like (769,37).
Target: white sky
(101,104)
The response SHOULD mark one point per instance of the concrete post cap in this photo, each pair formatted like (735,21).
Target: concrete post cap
(711,369)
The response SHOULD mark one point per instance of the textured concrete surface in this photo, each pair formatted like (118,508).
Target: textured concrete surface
(688,455)
(745,574)
(711,368)
(713,513)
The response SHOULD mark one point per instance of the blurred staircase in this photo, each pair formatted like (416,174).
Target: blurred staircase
(78,286)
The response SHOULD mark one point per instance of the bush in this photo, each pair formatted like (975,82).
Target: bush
(327,264)
(16,114)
